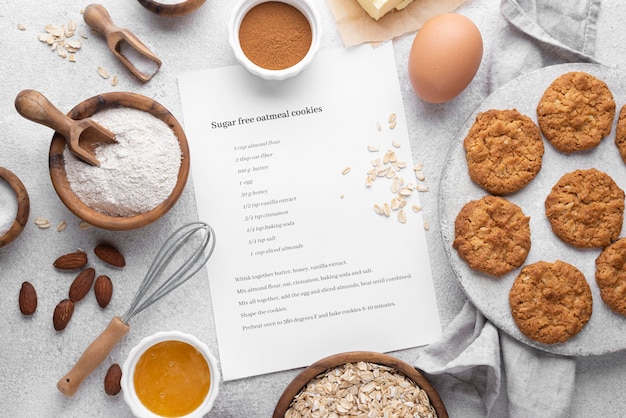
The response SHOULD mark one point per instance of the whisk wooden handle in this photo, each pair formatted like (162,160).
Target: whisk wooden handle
(93,356)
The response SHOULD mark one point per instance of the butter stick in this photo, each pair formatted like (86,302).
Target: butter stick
(378,8)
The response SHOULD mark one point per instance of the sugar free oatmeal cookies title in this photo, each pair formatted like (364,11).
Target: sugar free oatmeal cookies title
(267,117)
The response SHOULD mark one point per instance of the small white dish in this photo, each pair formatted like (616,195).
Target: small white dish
(128,371)
(305,7)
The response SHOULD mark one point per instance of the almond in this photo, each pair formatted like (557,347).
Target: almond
(110,255)
(82,284)
(62,314)
(103,290)
(71,261)
(112,385)
(28,299)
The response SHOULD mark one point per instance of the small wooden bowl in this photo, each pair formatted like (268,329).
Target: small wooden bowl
(23,207)
(173,10)
(57,163)
(321,366)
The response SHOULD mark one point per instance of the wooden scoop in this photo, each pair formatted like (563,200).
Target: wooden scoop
(124,44)
(81,136)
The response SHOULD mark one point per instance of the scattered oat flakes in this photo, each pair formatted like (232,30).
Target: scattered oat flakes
(84,225)
(21,26)
(59,39)
(61,226)
(389,167)
(42,223)
(390,157)
(406,191)
(103,72)
(426,226)
(114,81)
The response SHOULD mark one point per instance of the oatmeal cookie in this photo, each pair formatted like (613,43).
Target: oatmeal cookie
(611,275)
(492,235)
(576,111)
(586,208)
(550,302)
(620,133)
(504,150)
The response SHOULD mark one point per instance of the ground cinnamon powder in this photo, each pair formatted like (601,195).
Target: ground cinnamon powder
(275,35)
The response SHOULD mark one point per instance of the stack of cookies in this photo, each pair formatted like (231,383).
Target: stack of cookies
(550,301)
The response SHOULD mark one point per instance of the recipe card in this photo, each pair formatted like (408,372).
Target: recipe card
(312,191)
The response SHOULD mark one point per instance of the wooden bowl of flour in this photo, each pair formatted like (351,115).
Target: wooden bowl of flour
(141,181)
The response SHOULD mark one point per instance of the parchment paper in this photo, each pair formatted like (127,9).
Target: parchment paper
(356,26)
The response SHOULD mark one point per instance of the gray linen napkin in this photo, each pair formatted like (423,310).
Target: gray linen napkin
(474,366)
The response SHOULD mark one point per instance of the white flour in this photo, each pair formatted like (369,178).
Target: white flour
(136,174)
(8,206)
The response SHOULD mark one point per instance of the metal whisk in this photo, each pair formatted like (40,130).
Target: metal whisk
(184,237)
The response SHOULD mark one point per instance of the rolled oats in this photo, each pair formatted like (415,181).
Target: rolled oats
(361,389)
(58,37)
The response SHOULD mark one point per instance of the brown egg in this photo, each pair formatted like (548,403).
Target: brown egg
(444,57)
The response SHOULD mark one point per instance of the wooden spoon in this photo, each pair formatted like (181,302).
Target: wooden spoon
(81,136)
(123,43)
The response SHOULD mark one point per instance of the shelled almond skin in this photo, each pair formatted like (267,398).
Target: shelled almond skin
(110,255)
(71,261)
(28,299)
(82,284)
(112,380)
(62,314)
(103,289)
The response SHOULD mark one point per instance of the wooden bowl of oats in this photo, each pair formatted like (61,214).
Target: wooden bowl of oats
(355,383)
(139,178)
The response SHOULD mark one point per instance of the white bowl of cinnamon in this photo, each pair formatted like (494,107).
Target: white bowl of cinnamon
(275,40)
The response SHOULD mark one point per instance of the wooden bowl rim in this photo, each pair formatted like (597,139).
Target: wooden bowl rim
(58,176)
(326,363)
(23,206)
(172,10)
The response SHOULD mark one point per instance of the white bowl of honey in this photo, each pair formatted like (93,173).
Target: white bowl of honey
(170,374)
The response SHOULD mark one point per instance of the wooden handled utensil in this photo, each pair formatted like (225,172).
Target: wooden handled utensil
(82,136)
(136,56)
(167,272)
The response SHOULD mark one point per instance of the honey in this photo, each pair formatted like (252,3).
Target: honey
(172,378)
